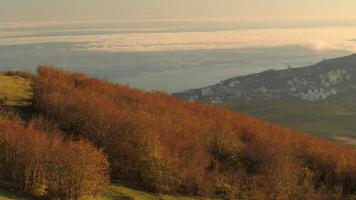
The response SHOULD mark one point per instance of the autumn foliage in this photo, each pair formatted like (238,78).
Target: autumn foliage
(172,146)
(43,165)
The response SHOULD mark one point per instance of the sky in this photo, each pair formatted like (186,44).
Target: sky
(12,10)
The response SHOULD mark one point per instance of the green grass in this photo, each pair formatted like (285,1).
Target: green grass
(120,191)
(117,191)
(15,90)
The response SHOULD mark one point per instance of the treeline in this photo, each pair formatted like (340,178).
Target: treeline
(171,146)
(42,165)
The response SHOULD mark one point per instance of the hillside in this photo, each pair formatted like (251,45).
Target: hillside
(165,145)
(318,99)
(311,83)
(16,91)
(334,120)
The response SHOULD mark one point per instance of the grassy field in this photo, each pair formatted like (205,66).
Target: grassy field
(15,91)
(334,118)
(120,191)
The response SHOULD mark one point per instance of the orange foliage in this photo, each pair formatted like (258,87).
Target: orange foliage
(43,165)
(174,146)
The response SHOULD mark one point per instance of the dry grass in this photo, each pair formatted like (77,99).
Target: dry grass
(15,91)
(346,140)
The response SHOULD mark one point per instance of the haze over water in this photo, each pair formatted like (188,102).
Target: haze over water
(173,45)
(170,55)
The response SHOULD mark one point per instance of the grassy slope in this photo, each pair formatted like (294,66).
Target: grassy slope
(334,118)
(17,92)
(6,195)
(117,191)
(121,191)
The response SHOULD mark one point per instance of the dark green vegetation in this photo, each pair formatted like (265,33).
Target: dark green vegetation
(163,145)
(333,118)
(8,195)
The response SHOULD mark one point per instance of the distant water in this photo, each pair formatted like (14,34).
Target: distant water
(172,65)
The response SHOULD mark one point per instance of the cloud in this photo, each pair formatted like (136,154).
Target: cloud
(316,39)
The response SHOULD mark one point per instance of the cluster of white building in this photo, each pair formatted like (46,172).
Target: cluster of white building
(312,89)
(317,94)
(325,89)
(334,77)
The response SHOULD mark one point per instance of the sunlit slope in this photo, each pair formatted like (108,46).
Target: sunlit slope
(165,145)
(202,145)
(15,90)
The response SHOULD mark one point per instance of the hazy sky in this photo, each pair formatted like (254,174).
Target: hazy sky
(174,9)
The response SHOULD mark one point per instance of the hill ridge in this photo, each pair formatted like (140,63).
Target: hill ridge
(310,83)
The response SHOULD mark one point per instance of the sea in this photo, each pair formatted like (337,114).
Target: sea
(170,56)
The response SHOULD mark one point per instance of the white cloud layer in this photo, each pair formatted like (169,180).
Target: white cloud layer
(316,39)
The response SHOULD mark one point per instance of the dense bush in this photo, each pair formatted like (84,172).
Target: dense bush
(173,146)
(42,165)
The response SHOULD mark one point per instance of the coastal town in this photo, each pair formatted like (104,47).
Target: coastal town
(311,83)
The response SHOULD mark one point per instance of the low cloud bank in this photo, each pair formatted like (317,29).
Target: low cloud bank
(316,39)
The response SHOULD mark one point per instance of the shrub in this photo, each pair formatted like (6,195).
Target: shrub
(173,146)
(42,165)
